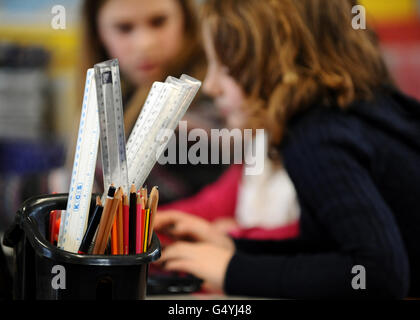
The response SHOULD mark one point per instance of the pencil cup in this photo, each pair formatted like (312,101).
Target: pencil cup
(42,271)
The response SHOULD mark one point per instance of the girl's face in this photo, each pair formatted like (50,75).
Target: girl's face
(226,92)
(146,36)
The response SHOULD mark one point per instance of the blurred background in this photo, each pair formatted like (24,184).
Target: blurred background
(38,67)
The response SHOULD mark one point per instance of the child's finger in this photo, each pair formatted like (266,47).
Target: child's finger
(181,265)
(164,220)
(183,230)
(178,250)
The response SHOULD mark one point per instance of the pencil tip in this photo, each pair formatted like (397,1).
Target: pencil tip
(111,191)
(133,189)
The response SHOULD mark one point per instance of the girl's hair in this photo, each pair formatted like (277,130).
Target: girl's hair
(290,54)
(191,60)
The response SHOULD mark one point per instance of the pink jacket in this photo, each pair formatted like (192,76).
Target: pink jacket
(218,200)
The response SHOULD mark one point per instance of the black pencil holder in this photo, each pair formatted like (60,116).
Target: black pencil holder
(40,268)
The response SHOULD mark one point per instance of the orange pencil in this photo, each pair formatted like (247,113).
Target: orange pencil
(153,203)
(114,237)
(104,219)
(108,226)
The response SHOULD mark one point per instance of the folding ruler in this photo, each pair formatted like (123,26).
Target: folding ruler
(111,121)
(74,219)
(165,105)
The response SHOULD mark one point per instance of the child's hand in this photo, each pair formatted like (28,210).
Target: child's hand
(225,225)
(184,226)
(205,261)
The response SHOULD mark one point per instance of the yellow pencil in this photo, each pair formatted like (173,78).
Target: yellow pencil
(146,231)
(153,204)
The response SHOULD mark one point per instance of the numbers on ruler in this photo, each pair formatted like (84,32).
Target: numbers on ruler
(85,160)
(145,123)
(112,126)
(171,97)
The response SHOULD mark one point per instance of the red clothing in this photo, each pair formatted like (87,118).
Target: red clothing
(218,200)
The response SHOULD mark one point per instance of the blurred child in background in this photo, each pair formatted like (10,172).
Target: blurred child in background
(348,139)
(152,39)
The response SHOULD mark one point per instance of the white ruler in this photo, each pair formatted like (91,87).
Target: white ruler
(164,107)
(192,88)
(73,222)
(111,119)
(158,96)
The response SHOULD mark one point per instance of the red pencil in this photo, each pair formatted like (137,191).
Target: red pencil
(126,216)
(138,224)
(52,226)
(53,217)
(120,226)
(143,224)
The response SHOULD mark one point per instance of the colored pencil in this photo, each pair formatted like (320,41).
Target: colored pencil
(114,236)
(132,220)
(143,192)
(53,217)
(126,227)
(153,203)
(120,226)
(91,228)
(112,215)
(139,224)
(104,218)
(146,229)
